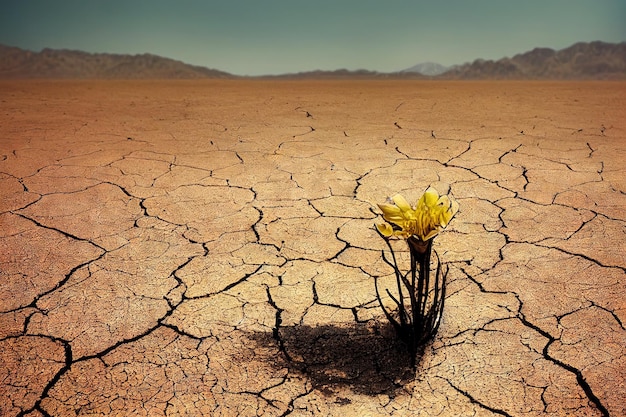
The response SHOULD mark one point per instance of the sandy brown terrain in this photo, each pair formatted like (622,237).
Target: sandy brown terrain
(207,247)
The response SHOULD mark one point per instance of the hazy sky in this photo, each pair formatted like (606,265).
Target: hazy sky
(253,37)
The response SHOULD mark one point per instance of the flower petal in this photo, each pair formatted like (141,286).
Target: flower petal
(454,207)
(430,235)
(391,213)
(402,203)
(430,197)
(385,229)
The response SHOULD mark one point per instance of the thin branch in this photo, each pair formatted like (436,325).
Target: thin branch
(395,324)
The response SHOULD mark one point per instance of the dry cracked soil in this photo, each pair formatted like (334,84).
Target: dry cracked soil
(206,248)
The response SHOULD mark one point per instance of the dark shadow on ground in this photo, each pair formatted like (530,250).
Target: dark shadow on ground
(367,358)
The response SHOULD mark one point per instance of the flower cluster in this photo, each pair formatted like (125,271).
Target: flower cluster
(431,215)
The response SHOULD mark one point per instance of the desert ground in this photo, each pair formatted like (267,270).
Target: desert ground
(207,248)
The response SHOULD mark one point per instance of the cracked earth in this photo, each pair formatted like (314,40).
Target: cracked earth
(207,247)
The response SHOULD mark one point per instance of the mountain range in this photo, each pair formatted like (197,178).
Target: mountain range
(592,60)
(63,63)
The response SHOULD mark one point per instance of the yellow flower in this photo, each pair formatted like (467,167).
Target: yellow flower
(431,216)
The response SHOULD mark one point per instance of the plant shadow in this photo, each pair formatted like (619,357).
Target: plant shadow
(367,357)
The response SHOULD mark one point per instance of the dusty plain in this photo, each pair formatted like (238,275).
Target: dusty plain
(206,248)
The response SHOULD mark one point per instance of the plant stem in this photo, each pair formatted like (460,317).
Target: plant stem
(418,326)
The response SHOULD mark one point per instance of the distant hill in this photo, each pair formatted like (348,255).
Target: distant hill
(343,74)
(594,60)
(61,63)
(427,68)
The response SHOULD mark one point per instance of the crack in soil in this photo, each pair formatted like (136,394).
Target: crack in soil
(246,259)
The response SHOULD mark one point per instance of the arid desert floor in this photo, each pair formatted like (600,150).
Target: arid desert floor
(207,248)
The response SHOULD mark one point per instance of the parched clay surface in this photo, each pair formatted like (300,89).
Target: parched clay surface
(207,247)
